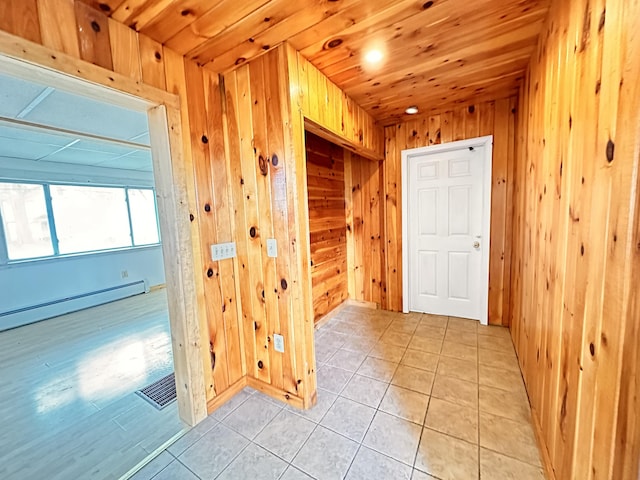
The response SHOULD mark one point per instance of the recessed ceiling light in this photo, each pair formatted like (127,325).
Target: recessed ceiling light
(373,56)
(412,110)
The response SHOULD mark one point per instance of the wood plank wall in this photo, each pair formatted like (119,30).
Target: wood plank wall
(262,177)
(576,231)
(364,187)
(495,118)
(327,224)
(322,102)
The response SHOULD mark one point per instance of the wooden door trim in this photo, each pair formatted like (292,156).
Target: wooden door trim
(487,143)
(29,61)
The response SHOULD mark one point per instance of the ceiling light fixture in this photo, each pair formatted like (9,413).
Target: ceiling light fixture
(412,110)
(373,56)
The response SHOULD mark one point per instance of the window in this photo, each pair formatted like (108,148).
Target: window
(90,218)
(25,220)
(142,205)
(42,220)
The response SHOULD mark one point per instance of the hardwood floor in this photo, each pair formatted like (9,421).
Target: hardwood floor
(67,386)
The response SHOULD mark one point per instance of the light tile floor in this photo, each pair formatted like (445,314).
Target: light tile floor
(399,397)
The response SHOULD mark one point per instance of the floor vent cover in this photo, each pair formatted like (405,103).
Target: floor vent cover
(161,392)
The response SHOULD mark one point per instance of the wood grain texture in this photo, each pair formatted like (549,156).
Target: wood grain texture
(495,118)
(57,25)
(574,307)
(93,36)
(464,52)
(262,180)
(367,227)
(327,224)
(330,113)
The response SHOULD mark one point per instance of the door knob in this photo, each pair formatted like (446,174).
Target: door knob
(476,244)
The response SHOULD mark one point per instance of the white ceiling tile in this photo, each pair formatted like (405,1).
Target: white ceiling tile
(15,95)
(128,163)
(78,156)
(16,133)
(80,114)
(24,149)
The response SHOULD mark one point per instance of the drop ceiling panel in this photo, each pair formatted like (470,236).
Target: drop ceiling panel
(67,111)
(24,149)
(80,157)
(8,132)
(129,163)
(15,95)
(107,148)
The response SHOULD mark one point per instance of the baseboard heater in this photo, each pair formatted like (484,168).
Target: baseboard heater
(45,310)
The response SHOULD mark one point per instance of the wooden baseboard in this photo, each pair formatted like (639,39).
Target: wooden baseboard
(219,400)
(157,287)
(542,448)
(361,303)
(276,393)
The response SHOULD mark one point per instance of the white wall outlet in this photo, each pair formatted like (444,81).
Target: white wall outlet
(222,251)
(272,247)
(278,343)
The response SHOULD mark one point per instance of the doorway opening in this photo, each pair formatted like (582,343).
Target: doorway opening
(92,223)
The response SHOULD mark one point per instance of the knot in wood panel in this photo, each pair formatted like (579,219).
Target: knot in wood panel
(207,207)
(263,165)
(210,273)
(253,232)
(260,364)
(274,160)
(610,150)
(283,284)
(95,26)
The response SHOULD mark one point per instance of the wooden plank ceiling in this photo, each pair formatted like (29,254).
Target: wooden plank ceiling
(436,53)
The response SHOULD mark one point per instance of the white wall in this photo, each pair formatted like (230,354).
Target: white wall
(36,282)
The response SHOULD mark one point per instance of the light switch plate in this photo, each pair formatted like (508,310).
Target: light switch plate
(278,343)
(222,251)
(272,247)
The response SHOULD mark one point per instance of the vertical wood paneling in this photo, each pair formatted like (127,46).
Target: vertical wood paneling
(125,50)
(58,26)
(205,211)
(488,118)
(367,225)
(20,17)
(327,224)
(93,36)
(575,238)
(152,62)
(176,83)
(261,178)
(276,149)
(324,103)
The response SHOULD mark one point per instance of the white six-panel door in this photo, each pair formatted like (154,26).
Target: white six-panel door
(447,229)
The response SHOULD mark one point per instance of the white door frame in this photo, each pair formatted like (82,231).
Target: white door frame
(162,109)
(407,155)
